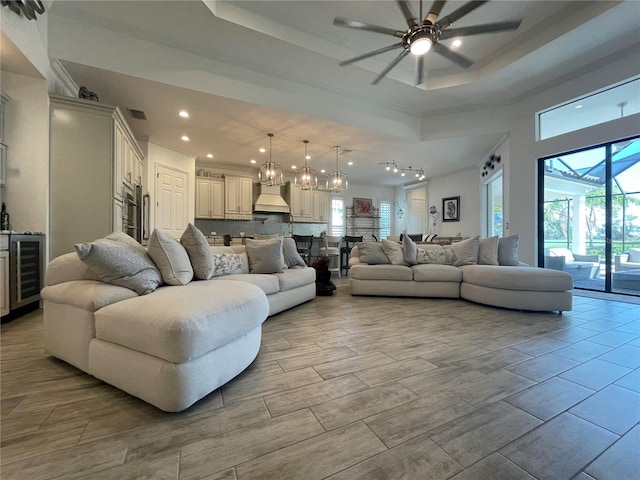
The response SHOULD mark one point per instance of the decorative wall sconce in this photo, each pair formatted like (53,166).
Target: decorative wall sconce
(490,164)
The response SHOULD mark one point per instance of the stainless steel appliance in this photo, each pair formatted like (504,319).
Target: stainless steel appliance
(26,268)
(135,213)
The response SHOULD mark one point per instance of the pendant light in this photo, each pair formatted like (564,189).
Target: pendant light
(337,181)
(306,177)
(270,173)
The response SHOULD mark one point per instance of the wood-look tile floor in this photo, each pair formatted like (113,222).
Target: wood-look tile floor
(354,388)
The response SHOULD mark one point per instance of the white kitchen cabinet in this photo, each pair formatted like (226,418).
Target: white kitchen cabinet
(92,157)
(301,204)
(321,206)
(210,198)
(238,194)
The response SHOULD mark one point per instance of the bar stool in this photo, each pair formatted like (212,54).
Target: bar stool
(304,244)
(345,251)
(331,249)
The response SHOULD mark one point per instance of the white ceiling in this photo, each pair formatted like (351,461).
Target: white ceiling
(292,49)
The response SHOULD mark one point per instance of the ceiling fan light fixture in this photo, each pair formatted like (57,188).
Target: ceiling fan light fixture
(420,44)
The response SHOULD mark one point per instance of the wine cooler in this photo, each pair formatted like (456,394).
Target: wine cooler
(26,269)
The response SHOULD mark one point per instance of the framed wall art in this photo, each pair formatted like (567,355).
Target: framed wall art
(451,209)
(362,206)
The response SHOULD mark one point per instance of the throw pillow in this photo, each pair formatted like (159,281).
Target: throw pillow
(508,251)
(394,252)
(410,250)
(429,238)
(433,254)
(466,251)
(170,257)
(290,253)
(265,256)
(488,252)
(372,253)
(120,260)
(226,263)
(197,247)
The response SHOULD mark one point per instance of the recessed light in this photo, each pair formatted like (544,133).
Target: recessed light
(323,171)
(349,163)
(209,155)
(262,150)
(456,43)
(579,105)
(293,167)
(184,138)
(308,157)
(183,114)
(253,161)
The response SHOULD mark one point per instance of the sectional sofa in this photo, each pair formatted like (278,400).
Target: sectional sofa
(469,270)
(177,343)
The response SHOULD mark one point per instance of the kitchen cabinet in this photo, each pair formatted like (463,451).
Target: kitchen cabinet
(321,206)
(94,157)
(210,197)
(238,197)
(300,202)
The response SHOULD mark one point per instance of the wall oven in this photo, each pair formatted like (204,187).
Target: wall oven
(135,218)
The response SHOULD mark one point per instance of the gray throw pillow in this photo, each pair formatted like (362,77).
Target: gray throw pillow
(170,257)
(466,251)
(410,250)
(290,253)
(120,260)
(488,252)
(508,250)
(197,247)
(265,256)
(371,253)
(393,251)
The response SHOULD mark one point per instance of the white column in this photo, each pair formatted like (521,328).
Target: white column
(579,225)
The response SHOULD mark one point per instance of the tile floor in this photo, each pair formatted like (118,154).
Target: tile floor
(354,388)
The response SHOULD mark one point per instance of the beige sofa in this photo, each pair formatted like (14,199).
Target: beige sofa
(517,287)
(170,347)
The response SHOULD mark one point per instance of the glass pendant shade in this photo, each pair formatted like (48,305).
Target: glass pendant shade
(306,176)
(337,181)
(270,172)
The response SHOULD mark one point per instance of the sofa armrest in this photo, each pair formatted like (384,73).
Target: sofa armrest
(66,268)
(586,258)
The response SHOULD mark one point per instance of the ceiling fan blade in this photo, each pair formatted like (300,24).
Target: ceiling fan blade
(345,22)
(456,58)
(395,61)
(411,19)
(434,11)
(419,69)
(459,13)
(479,29)
(371,54)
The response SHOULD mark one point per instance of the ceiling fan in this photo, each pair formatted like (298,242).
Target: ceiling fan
(425,35)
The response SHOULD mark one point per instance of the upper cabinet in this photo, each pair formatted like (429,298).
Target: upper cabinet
(209,197)
(321,206)
(238,193)
(300,202)
(128,157)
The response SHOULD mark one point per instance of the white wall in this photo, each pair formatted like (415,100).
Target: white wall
(465,184)
(155,155)
(27,135)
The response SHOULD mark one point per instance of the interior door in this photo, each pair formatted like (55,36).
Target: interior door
(171,200)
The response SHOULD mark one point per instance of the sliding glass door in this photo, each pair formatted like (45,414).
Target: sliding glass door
(589,216)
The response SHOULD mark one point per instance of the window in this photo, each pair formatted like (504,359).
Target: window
(494,206)
(385,220)
(337,216)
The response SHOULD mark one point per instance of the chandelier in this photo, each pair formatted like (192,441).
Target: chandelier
(337,181)
(306,176)
(270,173)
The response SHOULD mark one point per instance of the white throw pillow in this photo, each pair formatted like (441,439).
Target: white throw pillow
(410,250)
(434,254)
(170,257)
(290,253)
(466,251)
(394,252)
(488,252)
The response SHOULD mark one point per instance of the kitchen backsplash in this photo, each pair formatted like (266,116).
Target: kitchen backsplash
(268,224)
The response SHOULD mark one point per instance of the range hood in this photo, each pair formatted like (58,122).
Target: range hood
(270,200)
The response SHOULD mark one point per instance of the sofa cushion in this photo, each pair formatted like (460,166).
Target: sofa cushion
(295,277)
(381,272)
(436,273)
(508,250)
(268,283)
(410,250)
(634,255)
(517,278)
(265,256)
(488,251)
(180,324)
(466,251)
(372,253)
(170,257)
(394,252)
(197,247)
(227,264)
(434,254)
(120,260)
